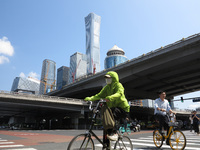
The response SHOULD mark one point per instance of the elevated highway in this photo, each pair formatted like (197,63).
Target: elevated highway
(174,68)
(20,104)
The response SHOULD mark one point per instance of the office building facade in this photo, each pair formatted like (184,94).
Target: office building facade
(62,77)
(115,56)
(92,24)
(25,85)
(48,76)
(78,66)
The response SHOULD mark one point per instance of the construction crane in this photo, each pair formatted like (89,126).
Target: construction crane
(94,67)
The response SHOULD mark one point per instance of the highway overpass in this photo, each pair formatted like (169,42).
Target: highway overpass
(27,108)
(12,102)
(174,68)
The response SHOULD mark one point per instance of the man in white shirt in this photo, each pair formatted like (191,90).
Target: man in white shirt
(162,106)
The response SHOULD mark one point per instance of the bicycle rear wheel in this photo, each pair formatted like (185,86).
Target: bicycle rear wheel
(81,142)
(177,140)
(128,130)
(157,138)
(123,143)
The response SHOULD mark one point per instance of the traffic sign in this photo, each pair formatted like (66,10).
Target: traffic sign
(196,100)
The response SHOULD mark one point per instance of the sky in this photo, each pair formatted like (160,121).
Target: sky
(34,30)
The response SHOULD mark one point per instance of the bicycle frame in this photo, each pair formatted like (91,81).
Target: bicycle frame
(170,130)
(90,132)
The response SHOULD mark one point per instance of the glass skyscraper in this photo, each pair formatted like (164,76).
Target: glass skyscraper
(25,85)
(62,77)
(115,56)
(92,24)
(78,66)
(48,76)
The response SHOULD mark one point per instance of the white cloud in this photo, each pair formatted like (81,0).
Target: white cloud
(5,47)
(33,76)
(3,59)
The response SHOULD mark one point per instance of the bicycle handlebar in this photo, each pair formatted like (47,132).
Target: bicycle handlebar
(90,104)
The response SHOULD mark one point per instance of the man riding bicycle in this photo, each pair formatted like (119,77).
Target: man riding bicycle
(113,93)
(162,106)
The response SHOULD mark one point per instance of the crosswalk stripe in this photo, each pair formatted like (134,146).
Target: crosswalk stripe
(6,142)
(4,146)
(3,140)
(23,149)
(163,146)
(141,140)
(193,140)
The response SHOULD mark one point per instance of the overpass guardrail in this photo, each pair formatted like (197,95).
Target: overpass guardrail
(44,97)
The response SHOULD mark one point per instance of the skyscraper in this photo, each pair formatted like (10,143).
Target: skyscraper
(25,85)
(115,56)
(78,66)
(62,77)
(92,24)
(48,76)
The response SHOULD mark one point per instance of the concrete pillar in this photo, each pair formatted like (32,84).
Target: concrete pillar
(75,123)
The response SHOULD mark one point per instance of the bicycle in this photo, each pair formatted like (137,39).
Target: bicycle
(177,139)
(122,129)
(85,140)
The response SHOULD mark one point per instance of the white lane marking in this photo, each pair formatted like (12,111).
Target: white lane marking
(4,146)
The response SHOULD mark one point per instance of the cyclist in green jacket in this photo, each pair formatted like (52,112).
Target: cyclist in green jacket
(113,93)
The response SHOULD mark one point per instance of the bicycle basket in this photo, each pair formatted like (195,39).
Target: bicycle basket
(178,123)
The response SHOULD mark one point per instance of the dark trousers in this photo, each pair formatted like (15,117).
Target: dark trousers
(191,127)
(196,126)
(119,115)
(163,122)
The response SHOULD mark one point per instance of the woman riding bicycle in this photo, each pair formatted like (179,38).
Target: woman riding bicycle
(162,106)
(113,93)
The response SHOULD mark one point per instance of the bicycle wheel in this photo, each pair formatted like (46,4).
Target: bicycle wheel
(82,141)
(157,139)
(128,130)
(177,140)
(123,143)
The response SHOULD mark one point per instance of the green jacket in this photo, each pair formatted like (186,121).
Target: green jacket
(114,92)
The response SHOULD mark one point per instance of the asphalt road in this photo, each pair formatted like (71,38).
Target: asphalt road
(45,139)
(59,139)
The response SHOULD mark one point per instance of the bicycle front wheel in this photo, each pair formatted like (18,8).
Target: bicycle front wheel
(121,130)
(177,140)
(157,139)
(123,143)
(81,142)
